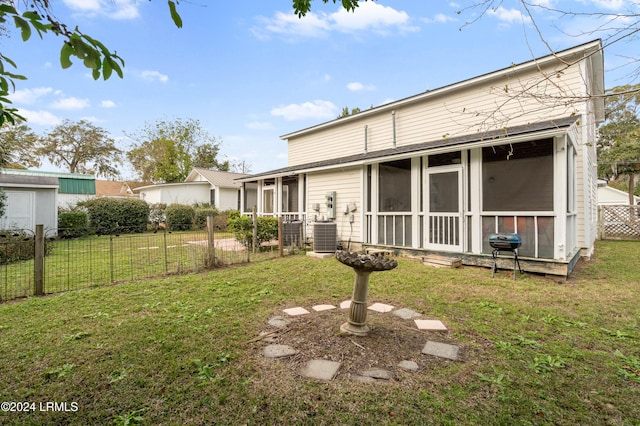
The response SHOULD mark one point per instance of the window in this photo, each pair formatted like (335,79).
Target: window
(250,196)
(290,194)
(518,177)
(395,186)
(268,200)
(212,197)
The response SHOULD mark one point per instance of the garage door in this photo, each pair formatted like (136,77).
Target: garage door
(20,210)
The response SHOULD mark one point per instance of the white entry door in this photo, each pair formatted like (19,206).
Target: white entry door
(444,230)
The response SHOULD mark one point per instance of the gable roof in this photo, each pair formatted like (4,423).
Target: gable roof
(591,51)
(112,188)
(217,177)
(544,129)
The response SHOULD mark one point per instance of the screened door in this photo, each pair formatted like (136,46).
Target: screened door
(444,215)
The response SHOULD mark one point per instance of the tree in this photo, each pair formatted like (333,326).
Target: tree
(94,55)
(17,142)
(345,112)
(619,142)
(167,151)
(81,147)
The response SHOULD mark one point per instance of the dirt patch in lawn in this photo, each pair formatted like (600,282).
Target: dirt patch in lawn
(391,340)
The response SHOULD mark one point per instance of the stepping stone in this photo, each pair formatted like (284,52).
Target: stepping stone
(320,369)
(441,350)
(408,365)
(345,305)
(406,313)
(431,325)
(295,311)
(278,351)
(320,308)
(381,307)
(378,373)
(279,322)
(269,339)
(363,379)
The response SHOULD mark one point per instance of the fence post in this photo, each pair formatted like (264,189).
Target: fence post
(255,230)
(211,249)
(280,239)
(38,261)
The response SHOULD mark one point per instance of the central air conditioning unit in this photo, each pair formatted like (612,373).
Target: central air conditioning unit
(325,237)
(292,233)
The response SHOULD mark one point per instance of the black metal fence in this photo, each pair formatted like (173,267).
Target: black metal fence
(75,263)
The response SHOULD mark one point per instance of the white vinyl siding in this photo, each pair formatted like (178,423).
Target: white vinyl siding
(482,107)
(347,184)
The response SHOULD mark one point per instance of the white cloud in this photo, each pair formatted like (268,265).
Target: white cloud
(369,16)
(113,9)
(41,118)
(70,103)
(107,104)
(610,4)
(154,76)
(358,87)
(440,18)
(508,15)
(308,110)
(29,96)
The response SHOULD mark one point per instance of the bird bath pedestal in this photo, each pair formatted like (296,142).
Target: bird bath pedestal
(363,265)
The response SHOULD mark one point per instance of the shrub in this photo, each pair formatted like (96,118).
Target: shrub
(201,214)
(73,224)
(18,245)
(114,215)
(180,217)
(242,228)
(157,213)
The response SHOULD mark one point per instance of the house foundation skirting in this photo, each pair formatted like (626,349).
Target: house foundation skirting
(538,266)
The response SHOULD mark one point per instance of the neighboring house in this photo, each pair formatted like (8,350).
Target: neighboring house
(72,187)
(612,196)
(509,151)
(220,189)
(31,200)
(114,189)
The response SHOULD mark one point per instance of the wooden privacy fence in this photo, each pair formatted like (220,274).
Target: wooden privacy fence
(619,222)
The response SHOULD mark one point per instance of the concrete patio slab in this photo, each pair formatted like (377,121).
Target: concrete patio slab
(345,305)
(320,308)
(320,369)
(431,325)
(441,350)
(278,321)
(295,311)
(278,351)
(406,313)
(381,307)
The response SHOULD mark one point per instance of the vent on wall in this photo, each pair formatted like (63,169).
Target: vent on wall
(325,237)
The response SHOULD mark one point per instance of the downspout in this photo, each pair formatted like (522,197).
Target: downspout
(393,120)
(366,135)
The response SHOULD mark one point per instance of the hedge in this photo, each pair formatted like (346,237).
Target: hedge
(117,215)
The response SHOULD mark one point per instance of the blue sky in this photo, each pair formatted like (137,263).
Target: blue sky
(251,71)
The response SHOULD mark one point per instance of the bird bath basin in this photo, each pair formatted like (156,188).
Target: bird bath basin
(363,265)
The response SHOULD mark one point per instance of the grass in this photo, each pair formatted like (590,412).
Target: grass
(174,350)
(77,263)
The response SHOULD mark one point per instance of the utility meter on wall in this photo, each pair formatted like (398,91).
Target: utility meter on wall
(330,198)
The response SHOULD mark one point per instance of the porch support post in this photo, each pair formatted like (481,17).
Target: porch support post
(560,198)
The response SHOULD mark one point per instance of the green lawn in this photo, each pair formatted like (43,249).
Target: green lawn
(178,350)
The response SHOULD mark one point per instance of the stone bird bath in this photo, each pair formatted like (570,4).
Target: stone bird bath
(363,265)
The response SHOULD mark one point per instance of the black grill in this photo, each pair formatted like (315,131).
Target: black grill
(505,242)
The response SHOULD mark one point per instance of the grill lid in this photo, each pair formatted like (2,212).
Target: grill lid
(505,241)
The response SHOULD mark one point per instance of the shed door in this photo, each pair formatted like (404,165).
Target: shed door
(20,211)
(444,215)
